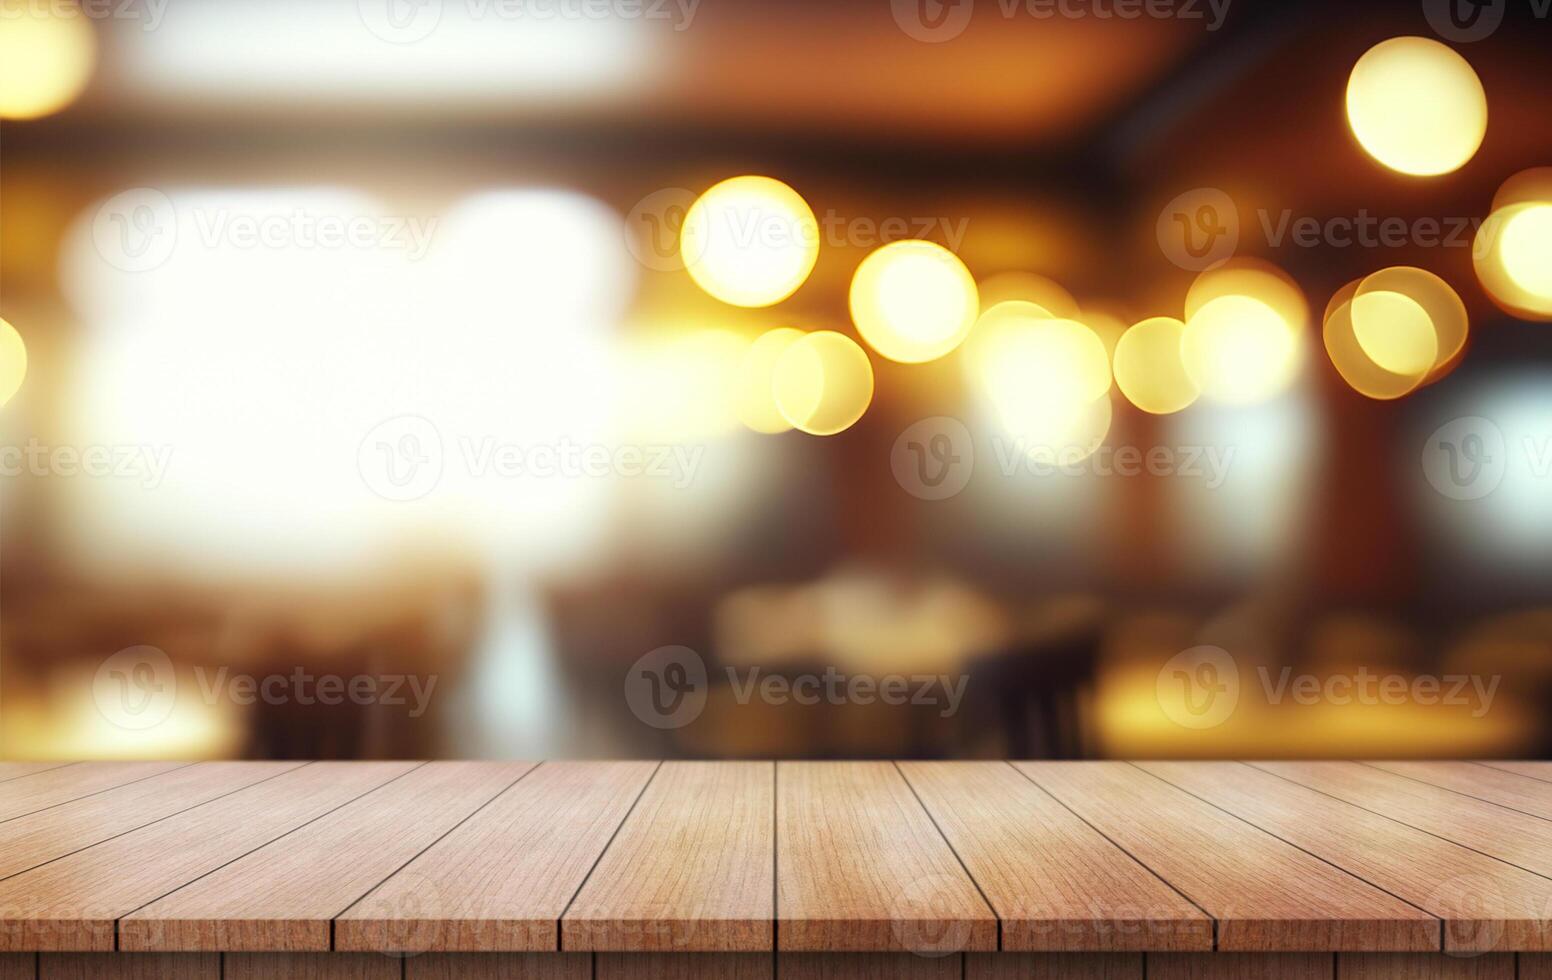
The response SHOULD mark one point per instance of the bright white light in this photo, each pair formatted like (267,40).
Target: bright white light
(386,51)
(276,376)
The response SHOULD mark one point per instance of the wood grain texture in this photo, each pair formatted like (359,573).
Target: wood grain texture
(55,786)
(1422,966)
(125,966)
(1054,881)
(309,966)
(1487,827)
(860,866)
(29,841)
(685,966)
(1241,966)
(1485,903)
(1532,796)
(868,966)
(499,966)
(18,966)
(1534,770)
(284,895)
(692,869)
(1267,895)
(501,881)
(16,770)
(1535,966)
(1053,966)
(71,904)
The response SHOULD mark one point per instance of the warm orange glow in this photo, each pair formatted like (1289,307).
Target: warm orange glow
(913,301)
(749,241)
(46,56)
(823,383)
(13,361)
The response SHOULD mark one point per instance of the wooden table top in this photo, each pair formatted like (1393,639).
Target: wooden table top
(760,856)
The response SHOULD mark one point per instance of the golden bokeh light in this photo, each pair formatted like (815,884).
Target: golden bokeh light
(1403,341)
(1047,378)
(1148,366)
(684,384)
(1029,287)
(1108,326)
(1255,278)
(13,361)
(1239,350)
(913,301)
(823,383)
(1394,331)
(756,396)
(1349,358)
(749,241)
(46,56)
(1512,255)
(1525,249)
(1416,106)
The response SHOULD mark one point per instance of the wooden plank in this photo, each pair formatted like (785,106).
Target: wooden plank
(1054,882)
(1267,895)
(1533,770)
(860,866)
(71,904)
(868,966)
(29,841)
(1053,966)
(123,966)
(686,966)
(1485,903)
(18,966)
(1532,796)
(499,966)
(16,770)
(283,896)
(1535,966)
(692,870)
(1238,966)
(1424,966)
(309,966)
(55,786)
(1506,834)
(502,879)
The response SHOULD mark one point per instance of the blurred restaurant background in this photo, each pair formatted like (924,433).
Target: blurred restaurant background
(361,341)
